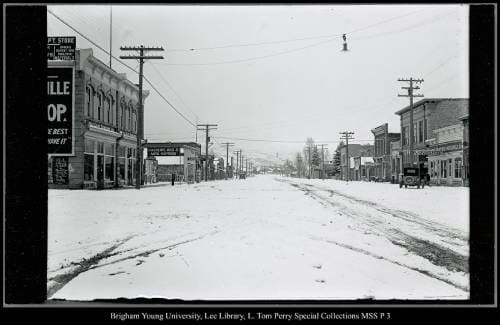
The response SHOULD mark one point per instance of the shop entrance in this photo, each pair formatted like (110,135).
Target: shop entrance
(100,172)
(130,172)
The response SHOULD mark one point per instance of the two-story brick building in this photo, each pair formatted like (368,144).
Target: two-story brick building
(382,151)
(433,118)
(104,127)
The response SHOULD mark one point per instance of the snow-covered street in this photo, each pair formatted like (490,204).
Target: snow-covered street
(265,237)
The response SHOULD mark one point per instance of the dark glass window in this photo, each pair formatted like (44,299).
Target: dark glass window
(109,168)
(88,168)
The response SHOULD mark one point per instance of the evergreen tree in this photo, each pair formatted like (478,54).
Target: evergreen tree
(336,158)
(316,157)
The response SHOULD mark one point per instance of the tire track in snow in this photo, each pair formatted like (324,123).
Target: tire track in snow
(436,227)
(378,256)
(59,281)
(150,251)
(431,251)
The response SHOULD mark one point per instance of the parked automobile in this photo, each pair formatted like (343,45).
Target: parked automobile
(411,177)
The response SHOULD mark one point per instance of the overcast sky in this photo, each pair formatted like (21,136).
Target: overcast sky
(277,73)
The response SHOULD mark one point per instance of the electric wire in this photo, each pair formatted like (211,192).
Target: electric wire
(126,65)
(294,39)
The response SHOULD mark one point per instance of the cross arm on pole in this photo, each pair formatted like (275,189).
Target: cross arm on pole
(144,48)
(141,57)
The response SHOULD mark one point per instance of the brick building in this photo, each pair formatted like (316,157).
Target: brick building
(104,128)
(434,120)
(382,151)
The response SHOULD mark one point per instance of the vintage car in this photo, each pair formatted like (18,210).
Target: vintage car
(411,177)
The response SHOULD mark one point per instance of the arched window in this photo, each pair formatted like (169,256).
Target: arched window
(130,112)
(89,95)
(122,114)
(100,107)
(107,110)
(112,110)
(135,121)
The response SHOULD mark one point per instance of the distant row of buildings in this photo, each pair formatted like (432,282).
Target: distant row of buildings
(440,143)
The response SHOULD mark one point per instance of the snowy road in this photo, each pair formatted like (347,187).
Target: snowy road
(266,237)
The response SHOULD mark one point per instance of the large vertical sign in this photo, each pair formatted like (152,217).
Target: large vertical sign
(60,110)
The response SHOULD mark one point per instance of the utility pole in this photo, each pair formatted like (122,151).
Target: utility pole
(227,154)
(140,125)
(241,162)
(110,34)
(309,147)
(238,152)
(206,128)
(347,135)
(323,160)
(411,95)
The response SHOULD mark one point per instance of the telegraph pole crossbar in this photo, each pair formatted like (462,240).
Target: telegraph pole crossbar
(206,128)
(347,135)
(140,125)
(323,147)
(227,144)
(411,95)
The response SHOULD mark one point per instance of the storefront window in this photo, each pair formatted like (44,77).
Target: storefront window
(444,168)
(109,168)
(458,167)
(100,147)
(109,149)
(88,168)
(89,146)
(121,169)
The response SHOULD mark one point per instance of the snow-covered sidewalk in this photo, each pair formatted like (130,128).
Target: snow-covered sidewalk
(259,238)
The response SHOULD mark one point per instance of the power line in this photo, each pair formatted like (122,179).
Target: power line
(290,40)
(173,90)
(332,37)
(404,29)
(251,58)
(124,64)
(280,141)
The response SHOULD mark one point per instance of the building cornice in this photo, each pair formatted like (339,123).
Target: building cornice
(428,100)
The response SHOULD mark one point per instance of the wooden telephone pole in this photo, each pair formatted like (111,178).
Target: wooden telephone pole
(206,128)
(347,135)
(238,153)
(411,88)
(140,125)
(323,146)
(227,154)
